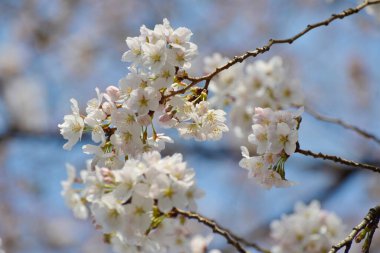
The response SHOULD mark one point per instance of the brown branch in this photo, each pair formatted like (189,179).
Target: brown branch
(337,159)
(270,43)
(232,239)
(343,124)
(367,226)
(252,245)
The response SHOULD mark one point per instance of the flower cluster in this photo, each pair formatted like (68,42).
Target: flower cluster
(73,197)
(275,134)
(173,235)
(197,121)
(244,87)
(161,50)
(129,204)
(129,190)
(308,230)
(121,120)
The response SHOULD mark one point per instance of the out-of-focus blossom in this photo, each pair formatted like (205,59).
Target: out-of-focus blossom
(25,99)
(12,61)
(374,10)
(1,246)
(308,230)
(246,86)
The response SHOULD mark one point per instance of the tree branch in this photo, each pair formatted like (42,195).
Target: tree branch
(337,159)
(367,226)
(232,239)
(356,129)
(270,43)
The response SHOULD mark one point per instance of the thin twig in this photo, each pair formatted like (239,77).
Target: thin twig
(232,239)
(370,222)
(270,43)
(343,124)
(252,245)
(337,159)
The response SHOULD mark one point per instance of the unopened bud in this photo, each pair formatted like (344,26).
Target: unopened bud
(107,107)
(361,236)
(181,73)
(168,108)
(165,118)
(108,177)
(144,120)
(108,180)
(104,171)
(113,92)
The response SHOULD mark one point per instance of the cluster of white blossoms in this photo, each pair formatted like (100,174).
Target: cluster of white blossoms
(129,204)
(128,189)
(308,230)
(246,86)
(196,121)
(121,120)
(160,50)
(275,136)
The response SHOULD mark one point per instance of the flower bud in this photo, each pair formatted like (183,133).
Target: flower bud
(144,120)
(165,118)
(113,92)
(181,73)
(107,107)
(107,174)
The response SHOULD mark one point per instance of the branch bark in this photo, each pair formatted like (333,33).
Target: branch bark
(337,159)
(270,43)
(340,122)
(232,239)
(369,223)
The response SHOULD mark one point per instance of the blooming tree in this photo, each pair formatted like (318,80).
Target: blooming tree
(143,201)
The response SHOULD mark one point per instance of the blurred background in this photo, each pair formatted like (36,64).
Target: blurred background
(51,51)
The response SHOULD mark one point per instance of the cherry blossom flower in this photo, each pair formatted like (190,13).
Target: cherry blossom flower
(275,135)
(135,52)
(308,230)
(72,127)
(144,100)
(72,198)
(108,213)
(283,138)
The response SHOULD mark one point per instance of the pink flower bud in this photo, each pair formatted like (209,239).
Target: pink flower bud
(108,177)
(105,171)
(144,120)
(165,118)
(108,180)
(168,108)
(107,107)
(113,92)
